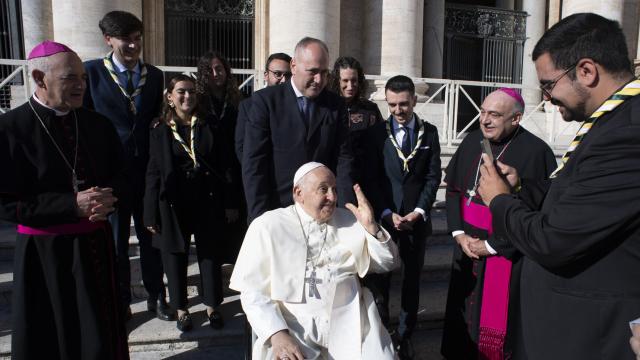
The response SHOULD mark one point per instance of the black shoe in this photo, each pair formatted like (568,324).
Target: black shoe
(184,323)
(215,320)
(161,309)
(405,350)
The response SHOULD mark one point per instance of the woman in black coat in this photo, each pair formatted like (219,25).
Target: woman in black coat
(185,195)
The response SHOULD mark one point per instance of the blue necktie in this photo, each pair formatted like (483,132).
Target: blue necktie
(303,104)
(406,142)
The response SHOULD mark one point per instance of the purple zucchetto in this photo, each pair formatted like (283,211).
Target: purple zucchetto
(48,48)
(514,94)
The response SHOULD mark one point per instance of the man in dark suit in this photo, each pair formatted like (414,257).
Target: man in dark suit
(579,231)
(405,150)
(277,71)
(291,124)
(129,93)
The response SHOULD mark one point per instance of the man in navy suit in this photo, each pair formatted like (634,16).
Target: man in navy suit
(291,124)
(277,71)
(403,173)
(129,93)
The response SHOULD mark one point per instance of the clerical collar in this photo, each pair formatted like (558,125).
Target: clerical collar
(121,68)
(58,112)
(410,125)
(304,217)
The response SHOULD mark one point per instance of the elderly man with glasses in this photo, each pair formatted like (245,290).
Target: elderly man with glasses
(484,287)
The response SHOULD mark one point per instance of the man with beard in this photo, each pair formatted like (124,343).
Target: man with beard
(62,172)
(579,231)
(129,93)
(291,124)
(298,273)
(483,292)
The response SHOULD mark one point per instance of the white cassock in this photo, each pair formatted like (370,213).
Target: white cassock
(272,274)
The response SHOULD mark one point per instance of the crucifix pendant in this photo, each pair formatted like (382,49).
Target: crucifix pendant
(471,194)
(313,281)
(76,183)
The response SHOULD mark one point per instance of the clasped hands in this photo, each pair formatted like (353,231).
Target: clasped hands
(472,247)
(402,223)
(95,203)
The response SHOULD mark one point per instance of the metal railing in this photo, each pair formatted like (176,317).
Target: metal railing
(451,105)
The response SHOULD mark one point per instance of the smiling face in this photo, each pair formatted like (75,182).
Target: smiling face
(126,48)
(183,97)
(310,68)
(401,105)
(316,193)
(62,86)
(349,86)
(567,94)
(498,118)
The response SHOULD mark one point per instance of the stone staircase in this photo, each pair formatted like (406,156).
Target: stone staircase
(150,338)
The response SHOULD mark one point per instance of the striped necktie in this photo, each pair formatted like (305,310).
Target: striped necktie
(628,91)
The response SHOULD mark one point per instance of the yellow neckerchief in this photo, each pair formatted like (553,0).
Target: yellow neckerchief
(108,63)
(628,91)
(405,161)
(190,150)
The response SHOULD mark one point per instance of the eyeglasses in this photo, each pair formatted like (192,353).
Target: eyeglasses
(280,74)
(547,88)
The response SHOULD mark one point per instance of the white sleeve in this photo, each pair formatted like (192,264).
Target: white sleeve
(263,314)
(382,252)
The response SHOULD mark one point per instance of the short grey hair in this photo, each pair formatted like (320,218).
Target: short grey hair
(306,41)
(40,63)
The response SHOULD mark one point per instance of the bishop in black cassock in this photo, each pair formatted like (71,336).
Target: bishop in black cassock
(465,212)
(60,162)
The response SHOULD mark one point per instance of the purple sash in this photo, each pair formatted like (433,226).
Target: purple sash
(495,290)
(84,226)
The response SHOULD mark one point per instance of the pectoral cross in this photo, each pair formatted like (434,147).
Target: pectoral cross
(76,183)
(313,281)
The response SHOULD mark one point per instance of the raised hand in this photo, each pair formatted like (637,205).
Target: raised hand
(364,211)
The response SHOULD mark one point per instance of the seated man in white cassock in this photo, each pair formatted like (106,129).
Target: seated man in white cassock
(298,270)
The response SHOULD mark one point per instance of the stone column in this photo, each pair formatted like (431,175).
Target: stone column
(153,34)
(75,23)
(555,10)
(37,22)
(315,18)
(433,40)
(401,42)
(535,28)
(352,29)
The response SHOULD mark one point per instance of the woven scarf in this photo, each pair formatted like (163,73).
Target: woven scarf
(190,150)
(628,91)
(405,160)
(114,75)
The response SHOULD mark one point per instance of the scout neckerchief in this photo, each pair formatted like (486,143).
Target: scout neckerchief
(628,91)
(405,160)
(190,150)
(114,75)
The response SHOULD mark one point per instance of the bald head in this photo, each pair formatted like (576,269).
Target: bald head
(500,115)
(310,67)
(316,193)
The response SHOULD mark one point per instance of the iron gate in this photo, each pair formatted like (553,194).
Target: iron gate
(483,44)
(194,27)
(10,46)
